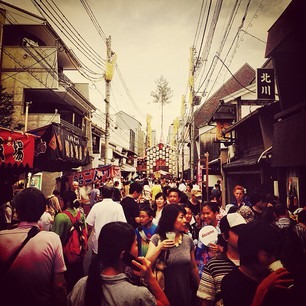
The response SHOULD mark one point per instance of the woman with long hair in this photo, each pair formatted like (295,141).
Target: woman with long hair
(107,284)
(181,273)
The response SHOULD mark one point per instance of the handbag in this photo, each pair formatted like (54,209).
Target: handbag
(159,268)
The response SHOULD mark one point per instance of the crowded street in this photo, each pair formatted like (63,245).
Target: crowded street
(178,179)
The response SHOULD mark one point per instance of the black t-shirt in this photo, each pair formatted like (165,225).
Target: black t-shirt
(237,289)
(194,208)
(131,210)
(117,195)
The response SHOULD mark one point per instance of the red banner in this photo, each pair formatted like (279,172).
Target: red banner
(96,175)
(16,149)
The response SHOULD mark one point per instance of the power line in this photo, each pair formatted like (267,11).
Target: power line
(80,45)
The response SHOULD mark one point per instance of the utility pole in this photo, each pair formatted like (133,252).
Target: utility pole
(192,143)
(26,115)
(108,78)
(207,175)
(183,147)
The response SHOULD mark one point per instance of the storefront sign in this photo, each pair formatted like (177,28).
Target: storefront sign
(265,84)
(96,175)
(59,149)
(16,149)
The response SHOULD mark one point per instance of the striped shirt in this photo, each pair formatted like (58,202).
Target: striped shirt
(210,284)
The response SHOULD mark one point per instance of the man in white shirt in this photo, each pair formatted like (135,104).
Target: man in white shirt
(102,213)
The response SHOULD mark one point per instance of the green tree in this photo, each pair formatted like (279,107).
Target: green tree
(162,95)
(6,108)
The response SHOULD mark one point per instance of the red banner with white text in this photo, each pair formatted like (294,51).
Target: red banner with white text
(16,149)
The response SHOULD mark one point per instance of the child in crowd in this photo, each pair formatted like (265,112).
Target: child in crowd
(146,229)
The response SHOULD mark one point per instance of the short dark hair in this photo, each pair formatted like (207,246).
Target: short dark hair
(116,183)
(30,204)
(183,197)
(213,206)
(255,237)
(147,208)
(107,192)
(256,196)
(280,210)
(68,197)
(160,194)
(166,189)
(174,189)
(135,187)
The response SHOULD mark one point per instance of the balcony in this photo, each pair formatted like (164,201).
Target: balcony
(72,128)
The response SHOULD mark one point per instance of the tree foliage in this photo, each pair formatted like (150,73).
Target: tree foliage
(6,108)
(163,92)
(162,95)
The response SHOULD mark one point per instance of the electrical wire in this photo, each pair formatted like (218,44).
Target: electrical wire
(77,43)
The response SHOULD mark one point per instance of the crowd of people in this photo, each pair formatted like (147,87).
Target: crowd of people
(152,242)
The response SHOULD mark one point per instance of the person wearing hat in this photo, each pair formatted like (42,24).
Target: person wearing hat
(261,279)
(209,290)
(195,201)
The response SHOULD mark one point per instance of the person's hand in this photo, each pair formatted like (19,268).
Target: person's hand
(281,278)
(145,270)
(166,244)
(214,248)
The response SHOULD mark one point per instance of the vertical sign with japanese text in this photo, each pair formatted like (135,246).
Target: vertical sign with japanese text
(265,84)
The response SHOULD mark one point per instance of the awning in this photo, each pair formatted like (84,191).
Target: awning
(248,160)
(118,154)
(128,168)
(59,149)
(16,152)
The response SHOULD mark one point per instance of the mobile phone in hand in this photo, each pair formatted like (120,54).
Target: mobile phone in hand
(127,259)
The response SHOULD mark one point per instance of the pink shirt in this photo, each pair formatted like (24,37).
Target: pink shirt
(38,261)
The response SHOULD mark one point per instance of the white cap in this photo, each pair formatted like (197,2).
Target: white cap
(235,219)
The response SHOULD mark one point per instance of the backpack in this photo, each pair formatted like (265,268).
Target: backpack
(76,243)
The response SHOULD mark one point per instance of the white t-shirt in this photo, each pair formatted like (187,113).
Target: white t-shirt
(102,213)
(45,221)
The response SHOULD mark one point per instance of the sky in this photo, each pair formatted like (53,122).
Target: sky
(152,38)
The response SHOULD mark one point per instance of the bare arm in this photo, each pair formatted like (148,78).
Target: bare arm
(194,269)
(59,290)
(153,286)
(153,252)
